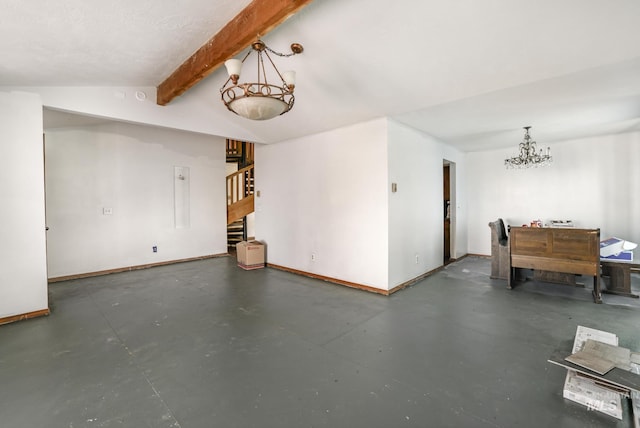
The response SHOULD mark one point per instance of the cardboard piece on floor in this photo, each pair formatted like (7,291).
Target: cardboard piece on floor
(588,390)
(635,407)
(616,377)
(595,397)
(592,362)
(585,333)
(620,357)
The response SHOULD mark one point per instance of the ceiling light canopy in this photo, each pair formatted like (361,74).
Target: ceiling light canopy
(529,156)
(259,100)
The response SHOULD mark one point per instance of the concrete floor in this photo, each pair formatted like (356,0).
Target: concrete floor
(205,344)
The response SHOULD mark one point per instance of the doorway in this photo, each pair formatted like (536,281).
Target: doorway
(447,205)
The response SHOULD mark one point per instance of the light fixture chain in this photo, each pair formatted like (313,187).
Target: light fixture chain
(278,53)
(261,69)
(276,69)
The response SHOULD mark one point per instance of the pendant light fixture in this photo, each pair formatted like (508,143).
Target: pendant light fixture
(529,156)
(260,100)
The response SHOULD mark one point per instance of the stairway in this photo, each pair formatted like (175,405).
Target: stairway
(240,188)
(236,232)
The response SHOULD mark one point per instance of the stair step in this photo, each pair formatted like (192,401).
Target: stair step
(235,233)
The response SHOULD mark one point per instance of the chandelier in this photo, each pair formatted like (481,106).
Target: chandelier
(259,100)
(529,156)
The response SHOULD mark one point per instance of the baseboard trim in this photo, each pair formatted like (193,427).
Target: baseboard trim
(331,280)
(356,285)
(414,280)
(22,317)
(131,268)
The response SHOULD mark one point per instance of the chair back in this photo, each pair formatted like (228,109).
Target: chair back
(499,232)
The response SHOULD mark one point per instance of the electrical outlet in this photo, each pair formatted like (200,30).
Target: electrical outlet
(155,249)
(313,257)
(417,259)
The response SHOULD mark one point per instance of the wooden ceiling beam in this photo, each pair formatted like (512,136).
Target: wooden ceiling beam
(258,18)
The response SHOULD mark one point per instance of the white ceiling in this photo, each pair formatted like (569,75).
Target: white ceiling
(471,73)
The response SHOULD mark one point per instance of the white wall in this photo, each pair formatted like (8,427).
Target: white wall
(594,181)
(326,195)
(130,169)
(416,210)
(330,195)
(188,112)
(23,275)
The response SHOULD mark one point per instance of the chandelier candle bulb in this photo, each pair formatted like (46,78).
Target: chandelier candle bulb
(234,67)
(289,78)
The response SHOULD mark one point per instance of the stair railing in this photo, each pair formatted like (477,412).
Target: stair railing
(248,153)
(234,148)
(240,199)
(240,151)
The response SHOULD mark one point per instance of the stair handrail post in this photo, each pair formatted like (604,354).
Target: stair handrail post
(237,189)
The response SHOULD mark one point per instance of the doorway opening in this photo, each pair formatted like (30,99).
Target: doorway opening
(448,210)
